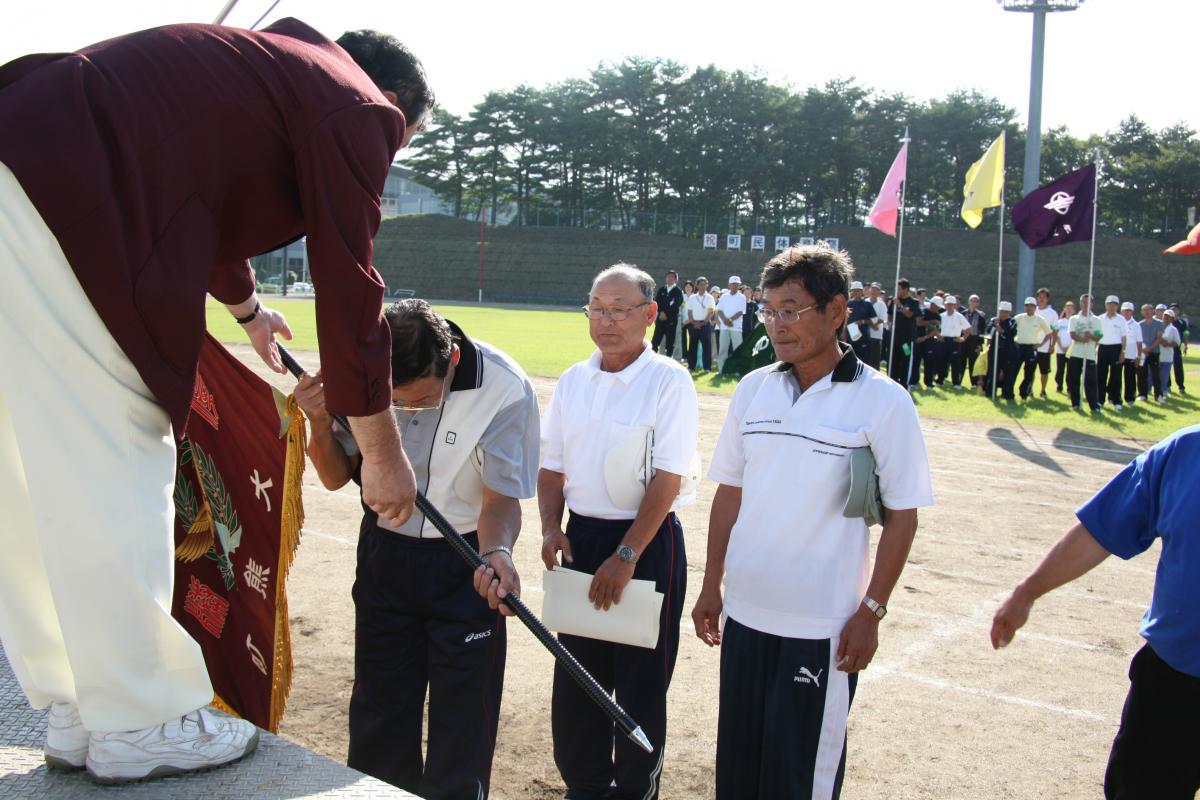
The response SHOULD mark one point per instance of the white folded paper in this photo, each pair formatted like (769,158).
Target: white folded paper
(566,609)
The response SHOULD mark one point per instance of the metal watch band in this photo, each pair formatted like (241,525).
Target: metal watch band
(876,608)
(250,317)
(499,548)
(627,554)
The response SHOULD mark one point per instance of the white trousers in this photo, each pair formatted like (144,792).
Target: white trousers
(730,339)
(87,465)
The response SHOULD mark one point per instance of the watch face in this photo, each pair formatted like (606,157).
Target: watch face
(626,553)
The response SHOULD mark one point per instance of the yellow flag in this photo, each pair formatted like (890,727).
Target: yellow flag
(985,183)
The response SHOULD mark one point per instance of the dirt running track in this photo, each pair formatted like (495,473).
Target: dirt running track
(938,714)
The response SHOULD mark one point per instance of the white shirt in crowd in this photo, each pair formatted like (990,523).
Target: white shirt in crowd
(731,304)
(954,325)
(1084,323)
(1133,338)
(795,566)
(1064,334)
(880,314)
(1166,355)
(1113,329)
(593,412)
(1051,317)
(699,304)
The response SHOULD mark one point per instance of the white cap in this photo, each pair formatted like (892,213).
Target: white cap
(1161,307)
(1030,301)
(1127,306)
(973,297)
(735,279)
(1112,298)
(935,301)
(856,285)
(951,300)
(1168,313)
(1005,305)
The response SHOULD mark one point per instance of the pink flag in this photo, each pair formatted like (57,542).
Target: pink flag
(887,205)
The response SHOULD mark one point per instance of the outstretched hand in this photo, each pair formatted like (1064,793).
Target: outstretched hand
(261,331)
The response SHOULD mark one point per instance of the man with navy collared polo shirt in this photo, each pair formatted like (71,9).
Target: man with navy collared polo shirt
(1154,754)
(801,605)
(610,415)
(423,622)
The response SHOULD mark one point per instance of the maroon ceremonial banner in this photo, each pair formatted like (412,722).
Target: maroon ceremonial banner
(238,514)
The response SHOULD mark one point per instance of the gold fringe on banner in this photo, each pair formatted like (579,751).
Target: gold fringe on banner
(292,513)
(199,538)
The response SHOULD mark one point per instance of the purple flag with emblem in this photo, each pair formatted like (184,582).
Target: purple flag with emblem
(1059,212)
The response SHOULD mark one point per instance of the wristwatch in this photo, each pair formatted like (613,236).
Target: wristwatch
(249,317)
(627,554)
(878,609)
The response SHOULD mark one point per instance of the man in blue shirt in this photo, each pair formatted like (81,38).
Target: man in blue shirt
(1155,751)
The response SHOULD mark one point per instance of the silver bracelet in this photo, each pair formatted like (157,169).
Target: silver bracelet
(499,548)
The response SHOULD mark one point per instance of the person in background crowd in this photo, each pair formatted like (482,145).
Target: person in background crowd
(1081,358)
(1133,353)
(731,307)
(750,318)
(1111,354)
(1032,332)
(978,319)
(1182,325)
(1149,374)
(861,315)
(685,330)
(906,311)
(922,299)
(1046,349)
(955,330)
(669,298)
(929,349)
(1156,497)
(1062,343)
(1169,341)
(701,307)
(1003,359)
(878,324)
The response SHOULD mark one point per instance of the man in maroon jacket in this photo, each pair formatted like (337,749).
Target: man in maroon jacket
(136,176)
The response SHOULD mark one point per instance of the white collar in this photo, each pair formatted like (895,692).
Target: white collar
(626,375)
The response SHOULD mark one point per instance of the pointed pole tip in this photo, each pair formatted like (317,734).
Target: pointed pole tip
(641,739)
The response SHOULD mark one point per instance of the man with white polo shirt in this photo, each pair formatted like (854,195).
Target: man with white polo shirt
(801,605)
(730,310)
(955,330)
(423,622)
(610,415)
(699,309)
(1110,355)
(1062,343)
(1169,342)
(1046,349)
(878,324)
(1032,332)
(1133,353)
(1081,358)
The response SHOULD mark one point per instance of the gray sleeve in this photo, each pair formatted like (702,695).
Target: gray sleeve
(510,448)
(346,439)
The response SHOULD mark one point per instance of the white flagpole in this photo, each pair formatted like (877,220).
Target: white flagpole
(999,280)
(225,12)
(896,285)
(1091,273)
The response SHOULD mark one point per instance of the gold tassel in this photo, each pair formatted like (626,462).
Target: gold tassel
(199,538)
(292,514)
(219,703)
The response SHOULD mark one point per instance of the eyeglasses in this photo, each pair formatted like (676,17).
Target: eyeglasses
(770,316)
(615,314)
(401,405)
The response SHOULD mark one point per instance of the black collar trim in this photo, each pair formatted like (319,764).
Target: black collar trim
(847,370)
(469,373)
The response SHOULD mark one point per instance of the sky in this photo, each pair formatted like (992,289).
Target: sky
(1104,61)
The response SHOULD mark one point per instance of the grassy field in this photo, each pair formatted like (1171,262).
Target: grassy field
(546,342)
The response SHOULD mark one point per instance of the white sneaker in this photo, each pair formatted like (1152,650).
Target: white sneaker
(66,738)
(195,741)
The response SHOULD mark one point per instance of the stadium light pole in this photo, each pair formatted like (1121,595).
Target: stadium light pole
(1033,140)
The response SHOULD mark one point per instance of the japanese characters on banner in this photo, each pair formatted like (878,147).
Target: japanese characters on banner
(758,243)
(710,241)
(237,523)
(833,242)
(733,241)
(803,240)
(782,243)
